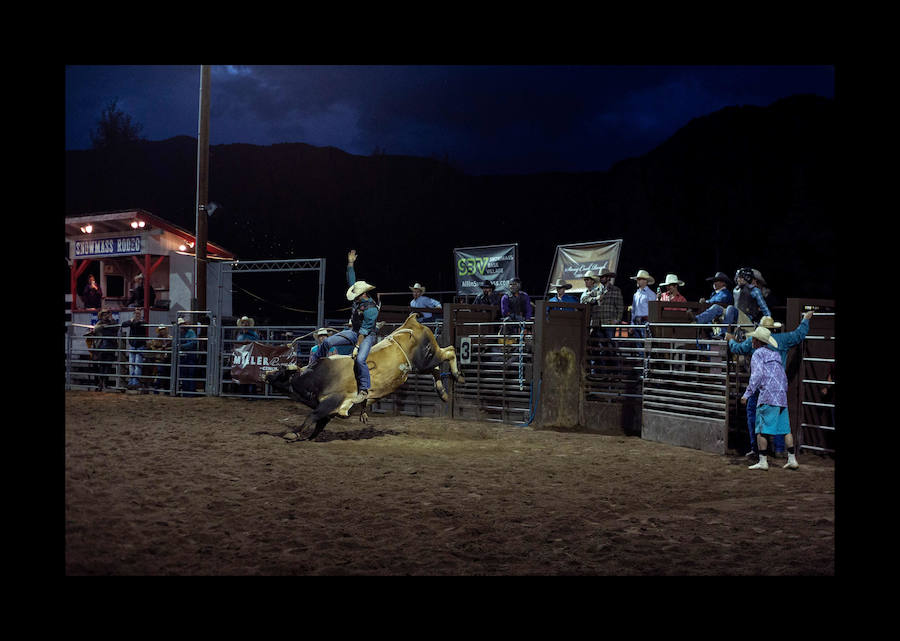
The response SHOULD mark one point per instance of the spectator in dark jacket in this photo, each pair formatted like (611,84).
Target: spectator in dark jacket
(137,294)
(105,346)
(137,343)
(516,305)
(487,296)
(187,346)
(92,294)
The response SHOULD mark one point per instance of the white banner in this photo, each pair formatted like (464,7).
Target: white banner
(572,261)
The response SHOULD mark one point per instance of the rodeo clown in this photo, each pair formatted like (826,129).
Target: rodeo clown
(361,334)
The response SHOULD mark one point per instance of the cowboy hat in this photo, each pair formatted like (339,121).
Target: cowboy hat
(764,335)
(672,279)
(592,274)
(417,286)
(604,271)
(560,283)
(722,277)
(358,288)
(642,273)
(325,331)
(246,321)
(488,283)
(769,323)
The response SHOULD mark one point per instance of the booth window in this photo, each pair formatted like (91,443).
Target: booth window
(115,286)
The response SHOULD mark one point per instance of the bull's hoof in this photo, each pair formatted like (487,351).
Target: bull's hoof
(445,397)
(461,380)
(363,418)
(290,436)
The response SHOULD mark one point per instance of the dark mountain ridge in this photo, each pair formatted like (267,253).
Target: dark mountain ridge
(744,186)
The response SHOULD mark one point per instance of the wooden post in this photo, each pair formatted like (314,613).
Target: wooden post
(146,272)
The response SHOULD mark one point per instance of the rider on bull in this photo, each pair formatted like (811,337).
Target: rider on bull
(361,334)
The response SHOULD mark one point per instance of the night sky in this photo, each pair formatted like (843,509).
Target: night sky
(482,119)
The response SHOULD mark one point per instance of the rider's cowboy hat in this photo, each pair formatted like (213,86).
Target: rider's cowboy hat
(560,283)
(246,321)
(672,279)
(642,273)
(417,286)
(769,323)
(764,335)
(359,287)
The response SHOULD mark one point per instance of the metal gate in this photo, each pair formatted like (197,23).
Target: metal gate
(496,358)
(169,364)
(685,391)
(812,376)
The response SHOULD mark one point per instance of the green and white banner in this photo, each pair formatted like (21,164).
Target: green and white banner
(474,265)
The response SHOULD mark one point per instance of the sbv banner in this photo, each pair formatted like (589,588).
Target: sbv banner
(474,265)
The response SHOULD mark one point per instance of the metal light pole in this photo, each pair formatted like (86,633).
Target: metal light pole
(202,193)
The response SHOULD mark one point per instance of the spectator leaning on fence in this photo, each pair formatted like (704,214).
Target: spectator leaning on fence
(246,334)
(611,306)
(107,330)
(419,300)
(671,293)
(516,305)
(767,378)
(321,334)
(560,287)
(639,309)
(158,353)
(137,343)
(487,296)
(592,291)
(186,345)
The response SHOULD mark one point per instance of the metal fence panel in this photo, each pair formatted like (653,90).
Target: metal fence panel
(499,375)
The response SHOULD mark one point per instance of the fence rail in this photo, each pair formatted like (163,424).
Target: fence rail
(149,364)
(659,376)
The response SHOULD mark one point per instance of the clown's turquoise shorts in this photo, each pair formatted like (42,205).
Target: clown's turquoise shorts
(771,419)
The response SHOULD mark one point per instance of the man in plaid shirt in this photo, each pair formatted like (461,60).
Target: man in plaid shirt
(610,304)
(608,309)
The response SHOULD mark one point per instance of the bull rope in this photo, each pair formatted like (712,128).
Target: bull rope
(391,338)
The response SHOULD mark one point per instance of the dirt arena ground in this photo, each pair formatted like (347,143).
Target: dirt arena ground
(182,486)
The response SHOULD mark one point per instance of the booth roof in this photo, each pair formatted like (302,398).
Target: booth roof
(120,221)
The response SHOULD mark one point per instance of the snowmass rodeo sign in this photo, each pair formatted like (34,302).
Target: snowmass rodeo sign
(108,246)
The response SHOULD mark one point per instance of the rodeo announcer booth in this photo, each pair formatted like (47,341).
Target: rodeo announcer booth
(361,334)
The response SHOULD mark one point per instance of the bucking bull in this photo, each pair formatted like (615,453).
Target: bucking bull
(329,385)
